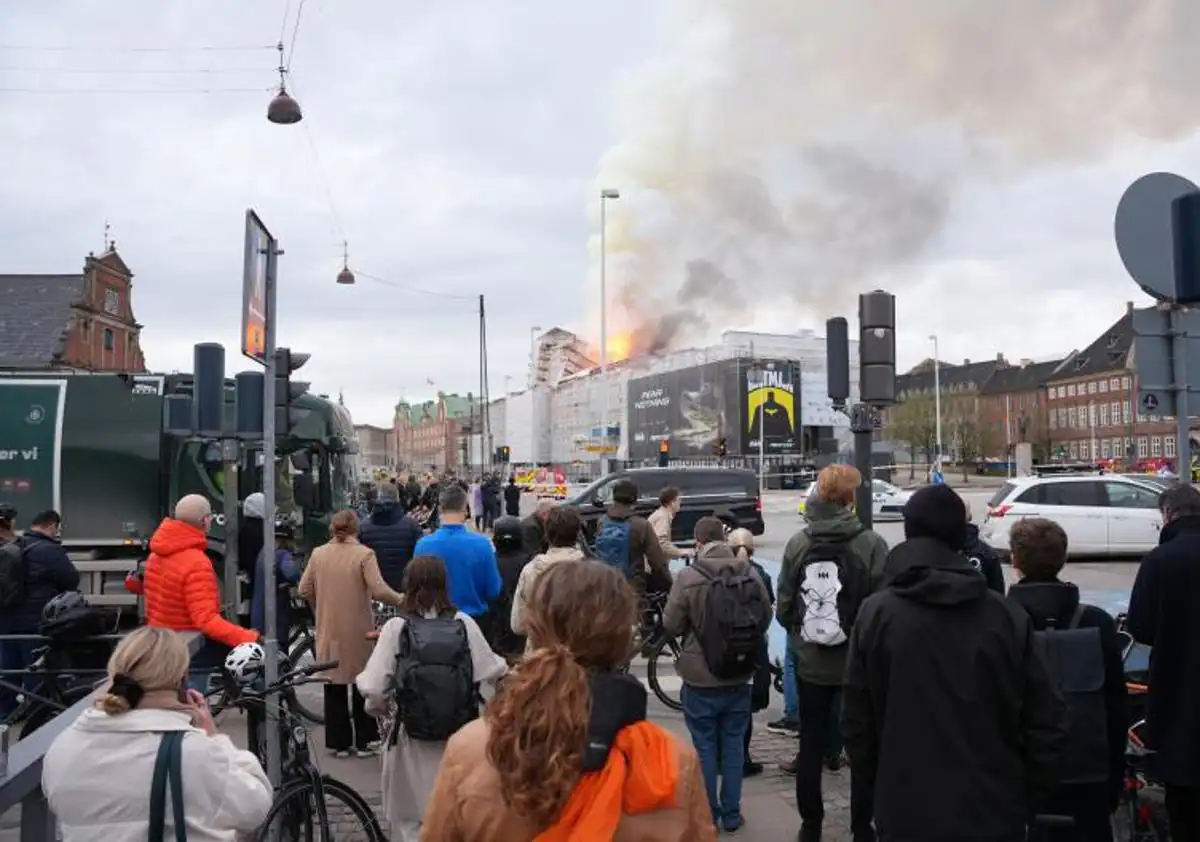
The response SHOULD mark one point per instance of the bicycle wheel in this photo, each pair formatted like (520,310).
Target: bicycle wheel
(43,713)
(343,815)
(665,651)
(308,701)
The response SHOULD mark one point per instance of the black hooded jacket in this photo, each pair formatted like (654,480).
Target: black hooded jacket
(947,708)
(1057,601)
(393,536)
(985,559)
(1163,615)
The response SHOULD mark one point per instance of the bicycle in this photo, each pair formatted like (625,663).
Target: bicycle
(656,646)
(62,667)
(1141,814)
(302,648)
(300,807)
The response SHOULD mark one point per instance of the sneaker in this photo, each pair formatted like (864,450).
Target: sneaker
(341,754)
(366,752)
(836,762)
(751,768)
(733,825)
(784,727)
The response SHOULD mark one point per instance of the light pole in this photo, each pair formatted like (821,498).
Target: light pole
(605,194)
(757,375)
(533,333)
(937,402)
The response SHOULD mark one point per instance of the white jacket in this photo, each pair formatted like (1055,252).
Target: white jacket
(97,776)
(528,578)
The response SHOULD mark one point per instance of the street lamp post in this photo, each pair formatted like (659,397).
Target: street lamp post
(533,333)
(937,402)
(605,194)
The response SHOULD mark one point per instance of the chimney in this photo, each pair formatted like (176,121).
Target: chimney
(1026,362)
(1128,307)
(999,356)
(966,362)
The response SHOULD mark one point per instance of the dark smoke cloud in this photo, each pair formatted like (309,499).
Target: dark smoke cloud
(789,155)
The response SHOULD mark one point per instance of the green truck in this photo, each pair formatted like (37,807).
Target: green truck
(94,448)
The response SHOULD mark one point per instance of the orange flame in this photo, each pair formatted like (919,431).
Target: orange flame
(619,346)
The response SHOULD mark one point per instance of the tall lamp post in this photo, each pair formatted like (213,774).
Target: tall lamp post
(533,333)
(937,402)
(605,195)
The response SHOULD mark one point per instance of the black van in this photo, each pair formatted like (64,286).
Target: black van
(702,490)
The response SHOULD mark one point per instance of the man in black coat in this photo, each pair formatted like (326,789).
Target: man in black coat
(982,557)
(1163,614)
(1039,553)
(512,498)
(48,572)
(948,710)
(392,534)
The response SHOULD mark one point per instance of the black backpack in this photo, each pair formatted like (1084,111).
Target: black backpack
(829,590)
(1074,658)
(735,619)
(14,570)
(435,678)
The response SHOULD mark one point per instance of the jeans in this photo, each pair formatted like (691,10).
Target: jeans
(791,708)
(717,718)
(819,704)
(16,655)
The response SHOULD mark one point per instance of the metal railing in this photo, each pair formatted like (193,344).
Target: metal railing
(21,783)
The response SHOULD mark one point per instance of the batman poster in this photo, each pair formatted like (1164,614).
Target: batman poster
(771,408)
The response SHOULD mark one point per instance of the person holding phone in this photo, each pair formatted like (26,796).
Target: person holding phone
(226,792)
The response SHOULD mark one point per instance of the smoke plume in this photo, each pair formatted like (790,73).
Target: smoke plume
(793,153)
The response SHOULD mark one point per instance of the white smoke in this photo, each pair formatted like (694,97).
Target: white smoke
(803,150)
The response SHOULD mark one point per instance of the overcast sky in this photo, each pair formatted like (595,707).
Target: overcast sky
(457,147)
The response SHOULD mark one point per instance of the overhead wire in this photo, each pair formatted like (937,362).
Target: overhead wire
(137,91)
(115,49)
(449,296)
(129,71)
(295,30)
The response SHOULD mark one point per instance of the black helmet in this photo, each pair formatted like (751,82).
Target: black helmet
(61,604)
(8,513)
(506,533)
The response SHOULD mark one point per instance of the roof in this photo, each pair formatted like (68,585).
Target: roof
(951,377)
(34,313)
(1108,353)
(456,407)
(1020,378)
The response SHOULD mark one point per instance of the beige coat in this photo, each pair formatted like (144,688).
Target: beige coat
(660,521)
(467,806)
(339,582)
(528,578)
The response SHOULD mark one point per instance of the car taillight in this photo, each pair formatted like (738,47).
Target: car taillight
(758,503)
(1000,511)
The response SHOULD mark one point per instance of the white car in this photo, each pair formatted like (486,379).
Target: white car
(1103,515)
(887,501)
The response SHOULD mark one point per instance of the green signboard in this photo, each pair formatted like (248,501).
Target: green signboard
(31,414)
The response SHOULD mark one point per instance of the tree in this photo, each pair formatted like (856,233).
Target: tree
(973,437)
(915,424)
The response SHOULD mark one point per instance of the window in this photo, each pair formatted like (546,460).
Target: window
(1083,450)
(1072,419)
(1103,415)
(1070,390)
(1124,495)
(1118,448)
(1124,382)
(1092,388)
(1114,383)
(1116,412)
(1072,493)
(1155,446)
(1143,447)
(85,328)
(1074,450)
(112,301)
(1092,415)
(1125,412)
(1102,386)
(1105,451)
(110,340)
(1169,447)
(1129,451)
(1053,418)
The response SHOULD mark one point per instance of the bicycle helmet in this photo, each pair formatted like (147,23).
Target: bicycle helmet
(506,533)
(7,513)
(59,605)
(245,662)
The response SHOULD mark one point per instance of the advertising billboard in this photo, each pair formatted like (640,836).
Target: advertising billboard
(770,407)
(689,407)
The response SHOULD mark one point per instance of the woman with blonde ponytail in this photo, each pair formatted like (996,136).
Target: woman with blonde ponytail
(98,772)
(564,751)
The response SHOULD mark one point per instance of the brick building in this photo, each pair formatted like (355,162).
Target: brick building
(80,322)
(961,392)
(1013,407)
(427,436)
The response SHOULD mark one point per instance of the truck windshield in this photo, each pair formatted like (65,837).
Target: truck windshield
(344,479)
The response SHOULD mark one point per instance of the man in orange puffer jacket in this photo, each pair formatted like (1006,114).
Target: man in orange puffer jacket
(181,586)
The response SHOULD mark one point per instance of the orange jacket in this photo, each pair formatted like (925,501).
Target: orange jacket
(181,586)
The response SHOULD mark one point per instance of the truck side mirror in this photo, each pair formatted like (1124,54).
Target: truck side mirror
(302,461)
(304,492)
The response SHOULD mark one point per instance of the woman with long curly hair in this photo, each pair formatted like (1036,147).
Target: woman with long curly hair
(564,751)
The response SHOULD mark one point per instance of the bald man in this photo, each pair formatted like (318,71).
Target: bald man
(182,591)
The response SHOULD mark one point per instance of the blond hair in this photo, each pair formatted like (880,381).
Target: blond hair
(155,658)
(836,484)
(742,542)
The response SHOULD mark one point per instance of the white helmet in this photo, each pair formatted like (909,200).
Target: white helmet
(245,662)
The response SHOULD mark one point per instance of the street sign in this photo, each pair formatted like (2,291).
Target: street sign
(1144,230)
(1153,356)
(258,245)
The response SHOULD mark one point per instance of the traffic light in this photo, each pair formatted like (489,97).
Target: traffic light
(722,450)
(502,454)
(287,362)
(664,453)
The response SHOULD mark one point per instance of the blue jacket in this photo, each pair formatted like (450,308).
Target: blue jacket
(49,572)
(471,568)
(287,572)
(392,535)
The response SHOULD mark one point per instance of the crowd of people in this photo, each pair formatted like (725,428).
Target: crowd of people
(962,711)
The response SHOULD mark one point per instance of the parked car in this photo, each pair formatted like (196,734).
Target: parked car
(887,500)
(703,491)
(1103,515)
